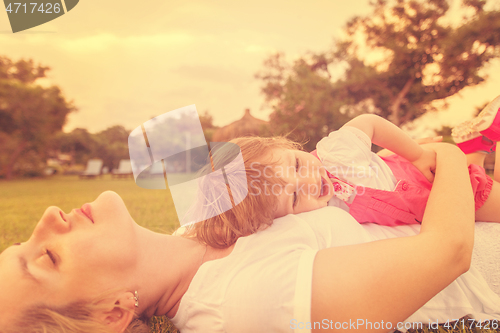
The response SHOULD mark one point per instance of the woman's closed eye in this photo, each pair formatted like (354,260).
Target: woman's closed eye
(51,256)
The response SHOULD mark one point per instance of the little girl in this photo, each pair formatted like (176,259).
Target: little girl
(343,172)
(391,190)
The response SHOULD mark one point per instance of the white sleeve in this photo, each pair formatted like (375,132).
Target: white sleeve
(346,147)
(303,290)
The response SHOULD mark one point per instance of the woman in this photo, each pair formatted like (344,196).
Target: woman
(88,264)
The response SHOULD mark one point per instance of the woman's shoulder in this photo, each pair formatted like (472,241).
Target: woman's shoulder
(259,276)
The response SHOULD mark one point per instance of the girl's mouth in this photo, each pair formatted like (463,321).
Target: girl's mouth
(325,189)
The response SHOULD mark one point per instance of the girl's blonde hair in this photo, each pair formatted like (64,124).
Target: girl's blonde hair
(77,317)
(256,210)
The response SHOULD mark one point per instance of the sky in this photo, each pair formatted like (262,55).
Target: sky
(124,62)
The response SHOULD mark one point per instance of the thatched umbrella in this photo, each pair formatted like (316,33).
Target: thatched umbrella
(246,126)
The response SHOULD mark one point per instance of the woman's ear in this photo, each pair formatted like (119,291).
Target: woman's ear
(119,313)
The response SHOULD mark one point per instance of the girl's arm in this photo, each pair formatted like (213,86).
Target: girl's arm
(388,280)
(387,135)
(386,152)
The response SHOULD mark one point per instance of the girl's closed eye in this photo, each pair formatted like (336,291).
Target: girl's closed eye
(297,166)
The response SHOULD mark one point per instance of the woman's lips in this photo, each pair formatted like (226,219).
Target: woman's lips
(87,211)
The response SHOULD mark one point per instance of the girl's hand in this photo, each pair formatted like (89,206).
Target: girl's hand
(426,163)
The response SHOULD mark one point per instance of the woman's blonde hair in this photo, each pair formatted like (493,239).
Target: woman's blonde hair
(77,317)
(256,210)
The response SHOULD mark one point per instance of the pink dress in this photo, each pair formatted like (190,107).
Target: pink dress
(405,203)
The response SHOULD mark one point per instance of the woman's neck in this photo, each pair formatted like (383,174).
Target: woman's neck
(166,268)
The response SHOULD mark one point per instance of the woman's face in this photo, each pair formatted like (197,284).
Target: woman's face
(69,257)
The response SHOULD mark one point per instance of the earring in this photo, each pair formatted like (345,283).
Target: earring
(136,298)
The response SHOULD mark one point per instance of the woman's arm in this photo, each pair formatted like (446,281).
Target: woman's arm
(387,135)
(389,280)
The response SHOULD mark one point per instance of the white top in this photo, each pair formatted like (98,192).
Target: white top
(476,292)
(264,285)
(347,155)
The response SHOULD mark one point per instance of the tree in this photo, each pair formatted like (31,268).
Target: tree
(110,145)
(29,113)
(78,143)
(302,97)
(207,125)
(423,59)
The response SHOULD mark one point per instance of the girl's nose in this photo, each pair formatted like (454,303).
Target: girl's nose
(52,221)
(308,184)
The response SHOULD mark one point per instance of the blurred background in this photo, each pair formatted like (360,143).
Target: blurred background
(73,88)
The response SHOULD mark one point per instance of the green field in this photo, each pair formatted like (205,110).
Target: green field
(22,203)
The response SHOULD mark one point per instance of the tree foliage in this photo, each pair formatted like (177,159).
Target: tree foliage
(206,121)
(29,115)
(110,145)
(423,58)
(303,107)
(426,59)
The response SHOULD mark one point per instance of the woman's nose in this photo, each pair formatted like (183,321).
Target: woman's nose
(52,221)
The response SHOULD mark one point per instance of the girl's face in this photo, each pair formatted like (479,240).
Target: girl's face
(69,257)
(307,186)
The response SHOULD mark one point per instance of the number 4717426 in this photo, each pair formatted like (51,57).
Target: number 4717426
(31,8)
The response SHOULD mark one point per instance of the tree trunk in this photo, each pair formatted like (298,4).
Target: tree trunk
(7,171)
(399,99)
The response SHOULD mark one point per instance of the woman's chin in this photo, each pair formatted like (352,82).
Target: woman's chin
(109,207)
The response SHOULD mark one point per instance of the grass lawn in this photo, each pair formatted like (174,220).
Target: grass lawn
(22,203)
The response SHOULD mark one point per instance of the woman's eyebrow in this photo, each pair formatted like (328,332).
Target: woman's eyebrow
(25,270)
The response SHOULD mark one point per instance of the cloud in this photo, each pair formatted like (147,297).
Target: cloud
(106,42)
